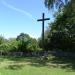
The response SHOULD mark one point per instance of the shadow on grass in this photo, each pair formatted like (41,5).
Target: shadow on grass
(33,61)
(55,62)
(64,63)
(14,67)
(2,59)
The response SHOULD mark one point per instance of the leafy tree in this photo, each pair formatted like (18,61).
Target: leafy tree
(23,40)
(23,36)
(2,43)
(2,40)
(23,43)
(62,31)
(10,45)
(13,44)
(55,3)
(33,45)
(26,43)
(46,40)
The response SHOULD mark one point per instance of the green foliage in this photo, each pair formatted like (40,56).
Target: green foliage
(61,33)
(23,40)
(55,3)
(26,43)
(23,43)
(46,40)
(13,44)
(10,45)
(2,40)
(33,45)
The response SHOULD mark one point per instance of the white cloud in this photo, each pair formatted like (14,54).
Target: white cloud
(17,9)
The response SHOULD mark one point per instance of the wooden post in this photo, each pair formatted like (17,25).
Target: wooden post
(43,20)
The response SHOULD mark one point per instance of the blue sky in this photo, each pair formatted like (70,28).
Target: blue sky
(18,16)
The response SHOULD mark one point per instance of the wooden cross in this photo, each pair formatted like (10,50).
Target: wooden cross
(43,20)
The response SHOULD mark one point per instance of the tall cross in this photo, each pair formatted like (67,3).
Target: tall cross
(43,20)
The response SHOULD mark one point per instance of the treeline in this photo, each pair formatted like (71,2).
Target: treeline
(22,43)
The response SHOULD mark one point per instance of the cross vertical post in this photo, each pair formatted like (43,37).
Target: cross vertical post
(43,20)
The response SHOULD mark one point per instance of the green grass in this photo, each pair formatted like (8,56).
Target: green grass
(34,66)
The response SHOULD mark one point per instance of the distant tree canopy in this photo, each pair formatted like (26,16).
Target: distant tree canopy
(26,43)
(23,43)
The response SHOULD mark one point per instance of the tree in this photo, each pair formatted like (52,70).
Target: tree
(2,40)
(62,31)
(55,3)
(13,44)
(33,45)
(23,40)
(22,36)
(26,43)
(10,45)
(2,43)
(46,40)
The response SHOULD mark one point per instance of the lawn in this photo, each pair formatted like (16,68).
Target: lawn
(33,66)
